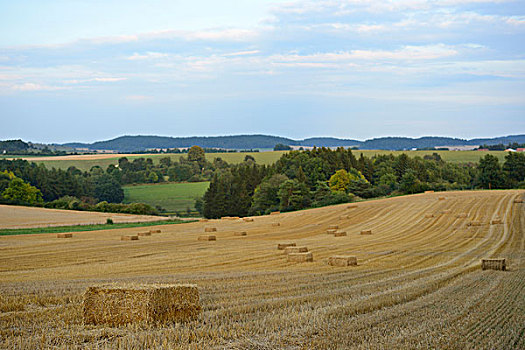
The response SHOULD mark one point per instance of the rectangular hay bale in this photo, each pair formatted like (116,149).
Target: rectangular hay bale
(207,238)
(154,231)
(351,206)
(294,249)
(210,229)
(428,216)
(366,232)
(496,222)
(129,238)
(247,219)
(240,233)
(475,223)
(340,233)
(142,234)
(300,257)
(426,192)
(156,304)
(282,246)
(494,264)
(64,235)
(275,213)
(331,231)
(518,200)
(275,224)
(441,198)
(333,227)
(342,260)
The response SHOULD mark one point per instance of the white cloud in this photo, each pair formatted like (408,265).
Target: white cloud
(241,53)
(35,87)
(406,53)
(147,56)
(100,80)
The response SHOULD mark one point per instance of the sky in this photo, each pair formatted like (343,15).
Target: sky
(75,70)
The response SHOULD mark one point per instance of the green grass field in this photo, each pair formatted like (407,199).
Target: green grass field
(82,228)
(267,157)
(174,197)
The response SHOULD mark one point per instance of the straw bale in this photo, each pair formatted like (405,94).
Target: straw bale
(154,231)
(230,218)
(344,217)
(247,219)
(428,216)
(441,198)
(342,260)
(129,238)
(144,234)
(207,238)
(366,232)
(153,304)
(351,206)
(339,233)
(240,233)
(293,249)
(429,191)
(276,224)
(494,264)
(203,220)
(475,223)
(275,213)
(333,227)
(331,231)
(518,200)
(282,246)
(496,221)
(210,229)
(300,257)
(64,235)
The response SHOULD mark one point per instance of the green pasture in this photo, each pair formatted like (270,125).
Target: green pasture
(174,197)
(83,228)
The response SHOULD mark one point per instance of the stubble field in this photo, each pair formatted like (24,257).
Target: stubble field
(418,283)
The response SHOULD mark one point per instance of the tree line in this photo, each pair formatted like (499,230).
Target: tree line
(321,176)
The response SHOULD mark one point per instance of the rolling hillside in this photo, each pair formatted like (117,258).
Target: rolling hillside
(418,282)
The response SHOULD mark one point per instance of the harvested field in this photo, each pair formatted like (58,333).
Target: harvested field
(12,217)
(418,284)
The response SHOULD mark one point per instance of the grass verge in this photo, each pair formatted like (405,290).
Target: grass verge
(79,228)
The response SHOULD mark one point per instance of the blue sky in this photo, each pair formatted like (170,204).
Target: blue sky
(75,70)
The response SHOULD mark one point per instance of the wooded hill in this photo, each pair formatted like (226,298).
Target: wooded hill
(239,142)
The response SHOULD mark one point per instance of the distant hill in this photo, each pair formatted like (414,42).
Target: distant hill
(142,143)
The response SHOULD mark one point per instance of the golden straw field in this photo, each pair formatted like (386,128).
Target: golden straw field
(418,282)
(12,217)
